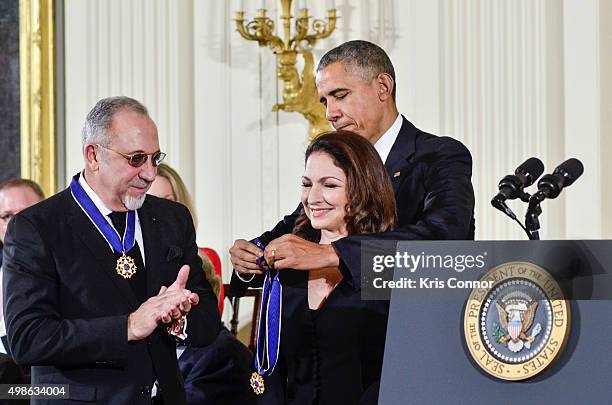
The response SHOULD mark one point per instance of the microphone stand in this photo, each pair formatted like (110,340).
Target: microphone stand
(503,207)
(532,223)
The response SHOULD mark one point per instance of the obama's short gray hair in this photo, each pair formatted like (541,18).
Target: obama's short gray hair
(362,58)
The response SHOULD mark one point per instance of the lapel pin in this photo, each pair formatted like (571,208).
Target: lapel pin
(396,174)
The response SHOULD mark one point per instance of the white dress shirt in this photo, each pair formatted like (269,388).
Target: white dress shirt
(385,143)
(105,211)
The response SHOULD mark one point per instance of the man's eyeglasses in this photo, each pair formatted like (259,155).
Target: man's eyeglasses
(139,159)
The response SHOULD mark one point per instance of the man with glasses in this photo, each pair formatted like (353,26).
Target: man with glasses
(102,279)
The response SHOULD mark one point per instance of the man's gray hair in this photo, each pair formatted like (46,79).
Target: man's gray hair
(100,118)
(361,58)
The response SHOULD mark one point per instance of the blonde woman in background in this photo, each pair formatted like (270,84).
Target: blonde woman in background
(219,373)
(169,185)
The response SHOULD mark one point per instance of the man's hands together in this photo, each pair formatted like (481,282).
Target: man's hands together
(170,304)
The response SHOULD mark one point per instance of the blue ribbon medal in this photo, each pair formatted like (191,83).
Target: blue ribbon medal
(126,267)
(268,329)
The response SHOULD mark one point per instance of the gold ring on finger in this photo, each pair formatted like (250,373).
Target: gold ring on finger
(273,254)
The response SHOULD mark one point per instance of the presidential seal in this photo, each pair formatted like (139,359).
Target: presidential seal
(517,328)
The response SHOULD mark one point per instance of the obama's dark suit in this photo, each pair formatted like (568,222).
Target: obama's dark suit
(431,178)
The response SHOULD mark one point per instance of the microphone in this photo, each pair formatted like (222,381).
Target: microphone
(511,186)
(564,175)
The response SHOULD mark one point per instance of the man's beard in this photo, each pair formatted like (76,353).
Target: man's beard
(133,203)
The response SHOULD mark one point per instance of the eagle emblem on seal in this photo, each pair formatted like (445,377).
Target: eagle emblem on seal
(516,315)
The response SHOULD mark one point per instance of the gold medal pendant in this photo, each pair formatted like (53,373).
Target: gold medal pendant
(257,382)
(126,267)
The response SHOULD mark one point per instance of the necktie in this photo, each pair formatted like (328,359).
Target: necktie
(138,281)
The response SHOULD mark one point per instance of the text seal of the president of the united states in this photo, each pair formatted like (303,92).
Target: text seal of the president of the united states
(517,328)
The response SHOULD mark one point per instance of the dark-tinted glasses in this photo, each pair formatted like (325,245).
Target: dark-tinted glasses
(139,159)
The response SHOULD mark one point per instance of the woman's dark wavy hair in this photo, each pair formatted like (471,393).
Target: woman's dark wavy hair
(371,202)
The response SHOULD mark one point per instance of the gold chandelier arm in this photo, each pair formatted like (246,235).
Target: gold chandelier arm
(301,28)
(240,27)
(321,28)
(260,29)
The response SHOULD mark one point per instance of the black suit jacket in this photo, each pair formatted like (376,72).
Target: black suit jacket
(431,178)
(218,374)
(66,309)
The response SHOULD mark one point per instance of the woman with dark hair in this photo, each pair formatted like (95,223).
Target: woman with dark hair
(332,341)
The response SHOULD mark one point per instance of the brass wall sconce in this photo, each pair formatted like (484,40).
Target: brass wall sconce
(299,93)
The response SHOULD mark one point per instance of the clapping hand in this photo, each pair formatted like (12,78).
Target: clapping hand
(169,304)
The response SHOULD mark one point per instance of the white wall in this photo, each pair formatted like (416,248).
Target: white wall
(143,49)
(511,79)
(583,135)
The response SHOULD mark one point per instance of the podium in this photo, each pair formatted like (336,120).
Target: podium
(427,358)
